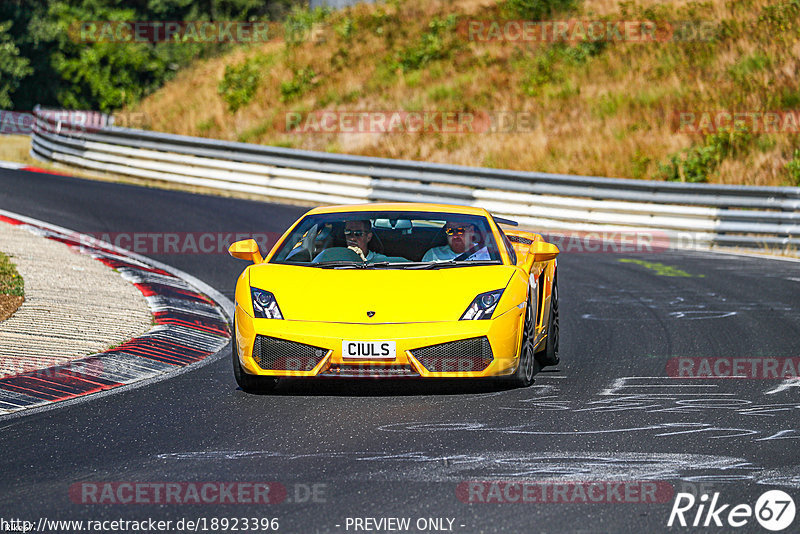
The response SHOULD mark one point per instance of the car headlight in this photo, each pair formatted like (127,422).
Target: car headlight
(483,306)
(264,305)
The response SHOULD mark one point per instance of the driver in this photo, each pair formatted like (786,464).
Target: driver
(461,237)
(358,235)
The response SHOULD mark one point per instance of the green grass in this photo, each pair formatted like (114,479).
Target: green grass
(552,65)
(793,168)
(438,42)
(303,80)
(11,282)
(744,69)
(205,126)
(253,134)
(445,93)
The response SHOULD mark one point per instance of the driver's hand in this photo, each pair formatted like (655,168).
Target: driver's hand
(358,251)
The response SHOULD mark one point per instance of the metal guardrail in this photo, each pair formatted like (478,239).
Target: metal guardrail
(709,214)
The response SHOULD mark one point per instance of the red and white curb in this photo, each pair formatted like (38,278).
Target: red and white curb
(23,167)
(12,165)
(191,326)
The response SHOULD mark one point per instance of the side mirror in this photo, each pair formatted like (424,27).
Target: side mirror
(246,250)
(540,251)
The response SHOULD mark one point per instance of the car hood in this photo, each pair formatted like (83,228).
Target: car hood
(396,296)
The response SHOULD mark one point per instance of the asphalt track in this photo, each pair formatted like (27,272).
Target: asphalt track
(609,412)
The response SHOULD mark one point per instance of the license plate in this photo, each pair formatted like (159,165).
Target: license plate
(369,350)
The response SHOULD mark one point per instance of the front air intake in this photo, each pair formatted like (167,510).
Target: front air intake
(273,354)
(464,355)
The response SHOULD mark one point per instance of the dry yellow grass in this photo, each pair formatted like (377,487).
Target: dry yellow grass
(16,148)
(611,115)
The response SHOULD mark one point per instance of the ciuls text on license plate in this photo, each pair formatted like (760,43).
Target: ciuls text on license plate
(369,350)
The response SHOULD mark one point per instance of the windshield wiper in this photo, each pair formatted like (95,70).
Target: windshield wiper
(453,263)
(378,264)
(339,264)
(401,264)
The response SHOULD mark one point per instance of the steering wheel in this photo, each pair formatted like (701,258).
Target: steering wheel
(337,254)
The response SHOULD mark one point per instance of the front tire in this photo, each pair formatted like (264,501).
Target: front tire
(524,375)
(549,355)
(249,383)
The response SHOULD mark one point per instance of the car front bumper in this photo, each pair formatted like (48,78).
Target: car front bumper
(322,345)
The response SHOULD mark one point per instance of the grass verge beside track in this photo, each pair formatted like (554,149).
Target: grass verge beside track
(16,148)
(12,288)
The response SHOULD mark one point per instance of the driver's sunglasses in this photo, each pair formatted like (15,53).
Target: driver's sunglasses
(357,233)
(455,231)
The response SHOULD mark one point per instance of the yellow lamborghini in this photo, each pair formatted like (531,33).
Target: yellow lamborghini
(396,290)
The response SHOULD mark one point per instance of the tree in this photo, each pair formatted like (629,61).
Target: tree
(41,61)
(13,68)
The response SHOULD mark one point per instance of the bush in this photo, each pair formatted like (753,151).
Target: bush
(345,29)
(301,82)
(793,168)
(790,99)
(697,163)
(239,84)
(548,66)
(300,22)
(780,19)
(437,43)
(538,9)
(11,282)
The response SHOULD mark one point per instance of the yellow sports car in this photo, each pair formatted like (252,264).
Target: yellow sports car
(396,290)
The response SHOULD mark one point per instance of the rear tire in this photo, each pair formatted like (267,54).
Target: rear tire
(549,355)
(249,383)
(524,375)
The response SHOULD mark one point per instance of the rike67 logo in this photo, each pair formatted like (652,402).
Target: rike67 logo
(774,510)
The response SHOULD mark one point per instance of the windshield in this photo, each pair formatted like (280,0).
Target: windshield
(391,239)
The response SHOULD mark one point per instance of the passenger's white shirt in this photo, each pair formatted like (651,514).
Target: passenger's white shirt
(445,253)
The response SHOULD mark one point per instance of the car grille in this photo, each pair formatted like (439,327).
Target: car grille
(520,239)
(371,371)
(466,355)
(273,354)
